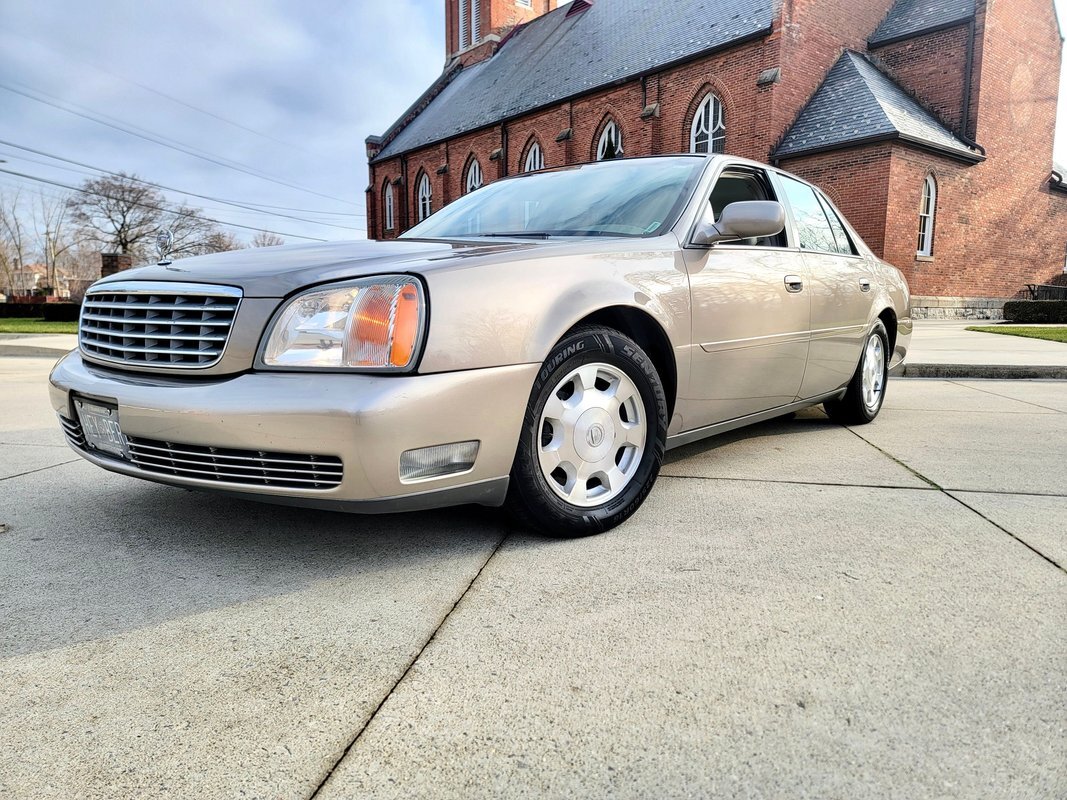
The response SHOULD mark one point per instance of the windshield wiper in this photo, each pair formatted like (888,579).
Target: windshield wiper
(514,235)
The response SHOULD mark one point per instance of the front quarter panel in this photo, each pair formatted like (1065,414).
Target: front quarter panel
(513,311)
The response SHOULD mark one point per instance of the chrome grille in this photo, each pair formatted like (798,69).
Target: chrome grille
(171,325)
(249,467)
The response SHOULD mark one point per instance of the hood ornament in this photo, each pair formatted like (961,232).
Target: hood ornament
(163,242)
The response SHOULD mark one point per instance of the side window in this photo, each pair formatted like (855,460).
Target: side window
(844,242)
(813,228)
(736,186)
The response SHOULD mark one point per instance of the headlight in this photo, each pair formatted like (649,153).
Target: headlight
(372,323)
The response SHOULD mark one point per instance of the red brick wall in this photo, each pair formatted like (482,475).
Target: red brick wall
(998,227)
(1018,228)
(732,75)
(380,175)
(498,17)
(812,35)
(932,68)
(546,126)
(948,272)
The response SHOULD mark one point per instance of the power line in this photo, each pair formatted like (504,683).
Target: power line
(205,206)
(173,144)
(161,209)
(63,198)
(168,188)
(311,210)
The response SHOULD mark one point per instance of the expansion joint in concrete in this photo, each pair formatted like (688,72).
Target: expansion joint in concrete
(359,733)
(953,497)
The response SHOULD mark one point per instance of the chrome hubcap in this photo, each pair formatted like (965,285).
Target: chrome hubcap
(592,435)
(873,372)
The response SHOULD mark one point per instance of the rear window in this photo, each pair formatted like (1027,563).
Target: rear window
(813,227)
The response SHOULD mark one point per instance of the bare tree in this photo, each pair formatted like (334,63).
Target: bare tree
(122,212)
(51,226)
(79,267)
(195,235)
(267,239)
(118,211)
(15,244)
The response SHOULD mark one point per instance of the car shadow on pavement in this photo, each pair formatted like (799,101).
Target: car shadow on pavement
(801,422)
(88,554)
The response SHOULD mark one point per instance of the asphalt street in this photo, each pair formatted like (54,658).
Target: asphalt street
(799,610)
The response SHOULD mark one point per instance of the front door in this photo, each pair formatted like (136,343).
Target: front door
(751,314)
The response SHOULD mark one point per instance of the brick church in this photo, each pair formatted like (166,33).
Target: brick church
(929,122)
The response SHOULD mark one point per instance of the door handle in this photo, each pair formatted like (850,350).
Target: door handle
(793,283)
(865,285)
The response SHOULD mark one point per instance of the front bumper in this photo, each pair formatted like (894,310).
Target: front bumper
(365,420)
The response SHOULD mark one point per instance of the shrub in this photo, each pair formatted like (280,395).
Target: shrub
(60,312)
(20,310)
(1036,311)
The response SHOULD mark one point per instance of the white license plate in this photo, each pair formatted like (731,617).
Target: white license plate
(100,425)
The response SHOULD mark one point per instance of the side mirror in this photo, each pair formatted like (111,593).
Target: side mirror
(751,219)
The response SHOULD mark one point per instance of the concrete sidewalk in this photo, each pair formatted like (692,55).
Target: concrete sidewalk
(47,345)
(800,610)
(939,349)
(946,349)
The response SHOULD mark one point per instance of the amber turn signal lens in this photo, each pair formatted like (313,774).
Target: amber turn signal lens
(384,326)
(406,326)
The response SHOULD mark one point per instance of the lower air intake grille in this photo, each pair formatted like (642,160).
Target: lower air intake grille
(249,467)
(73,431)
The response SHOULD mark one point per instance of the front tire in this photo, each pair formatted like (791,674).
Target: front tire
(866,391)
(593,436)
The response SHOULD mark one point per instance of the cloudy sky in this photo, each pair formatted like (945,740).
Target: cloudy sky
(265,103)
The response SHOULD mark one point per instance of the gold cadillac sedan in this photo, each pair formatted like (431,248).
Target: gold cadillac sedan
(539,344)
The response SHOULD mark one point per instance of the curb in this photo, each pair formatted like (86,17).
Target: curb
(982,371)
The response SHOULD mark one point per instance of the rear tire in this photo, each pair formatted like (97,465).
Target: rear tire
(866,391)
(593,436)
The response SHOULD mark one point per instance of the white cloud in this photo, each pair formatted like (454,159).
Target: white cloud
(319,77)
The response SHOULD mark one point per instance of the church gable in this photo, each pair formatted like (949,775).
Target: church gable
(857,103)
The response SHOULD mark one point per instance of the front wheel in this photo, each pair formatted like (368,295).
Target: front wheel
(593,436)
(866,391)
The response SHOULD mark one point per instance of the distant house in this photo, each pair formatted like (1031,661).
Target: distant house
(929,122)
(32,279)
(25,280)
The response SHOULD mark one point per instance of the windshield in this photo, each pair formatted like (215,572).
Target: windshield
(638,197)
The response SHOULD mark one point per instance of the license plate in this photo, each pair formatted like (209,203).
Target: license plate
(100,425)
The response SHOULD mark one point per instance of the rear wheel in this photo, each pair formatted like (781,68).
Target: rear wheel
(593,436)
(866,391)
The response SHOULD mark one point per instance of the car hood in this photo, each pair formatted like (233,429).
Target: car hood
(279,271)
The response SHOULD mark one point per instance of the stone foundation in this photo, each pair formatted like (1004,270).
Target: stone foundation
(957,307)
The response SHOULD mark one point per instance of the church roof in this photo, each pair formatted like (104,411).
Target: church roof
(858,103)
(561,55)
(910,18)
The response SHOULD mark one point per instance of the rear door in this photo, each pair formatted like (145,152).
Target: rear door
(839,285)
(750,314)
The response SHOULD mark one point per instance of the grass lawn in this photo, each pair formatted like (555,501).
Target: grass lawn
(31,325)
(1052,334)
